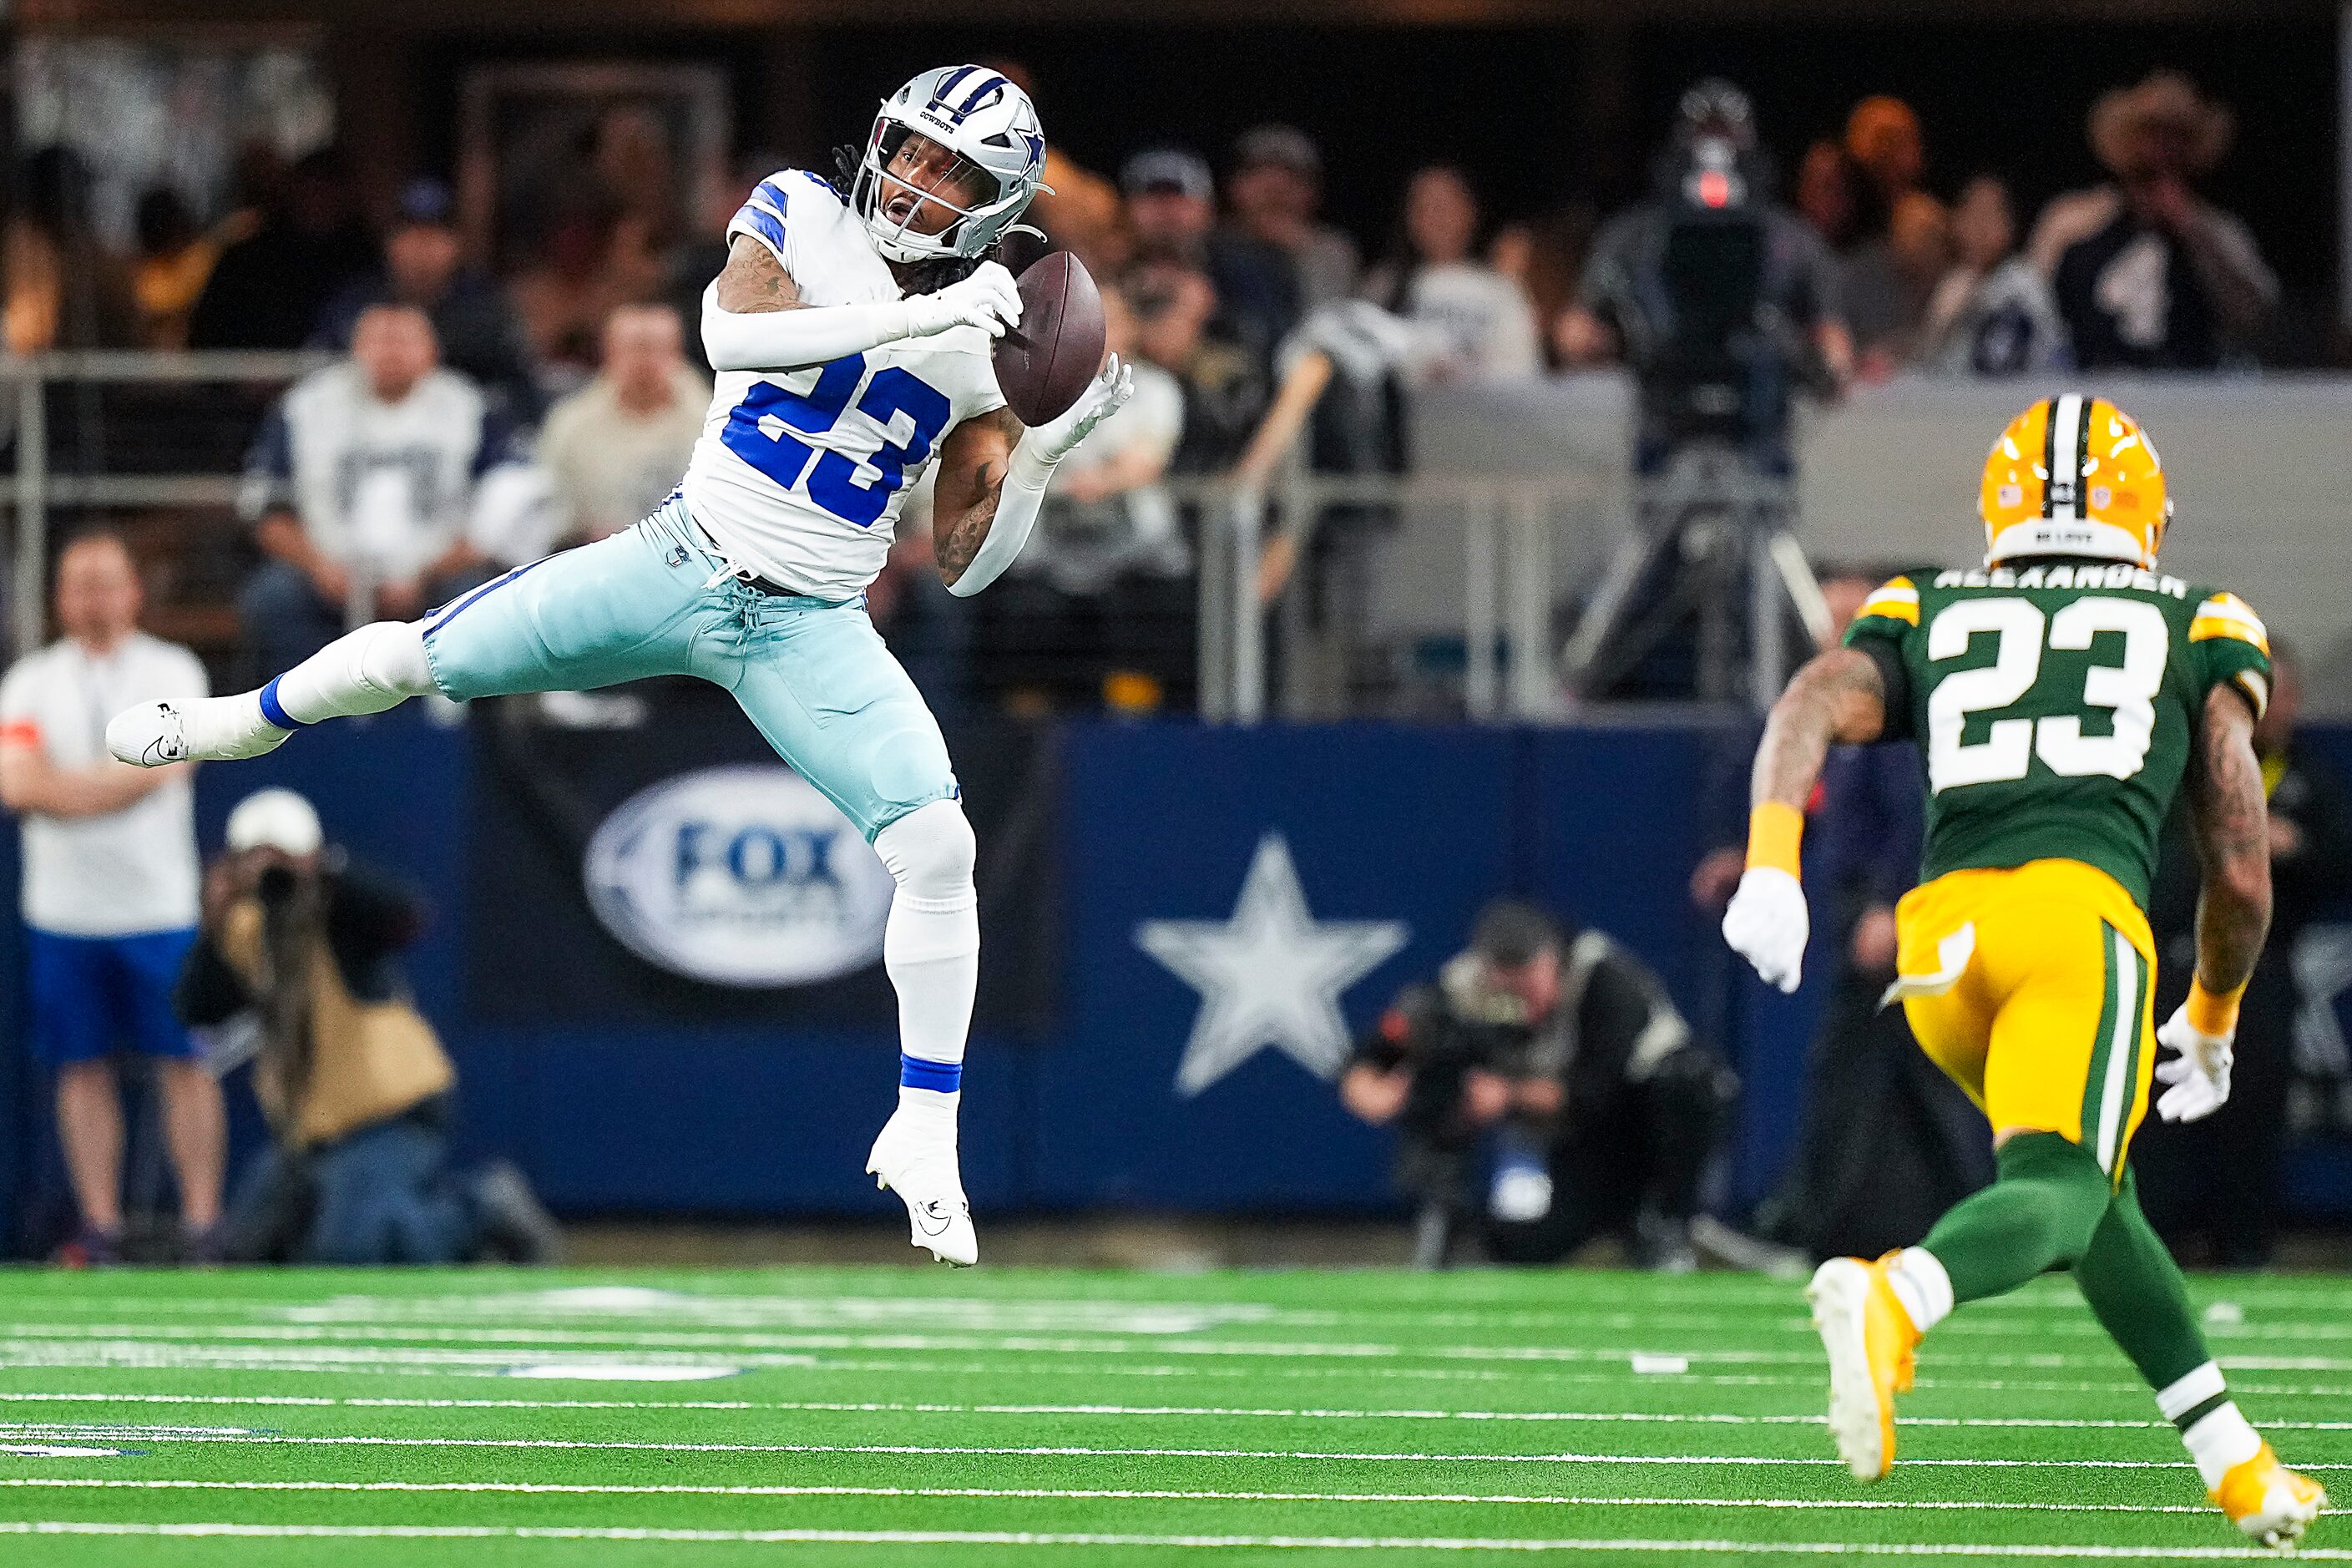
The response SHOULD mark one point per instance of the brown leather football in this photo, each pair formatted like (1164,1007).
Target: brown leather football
(1045,361)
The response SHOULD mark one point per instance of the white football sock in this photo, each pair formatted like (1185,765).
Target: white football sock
(1919,1283)
(2219,1442)
(931,949)
(377,667)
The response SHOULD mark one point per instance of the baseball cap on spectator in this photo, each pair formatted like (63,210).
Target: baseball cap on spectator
(1283,146)
(275,819)
(424,202)
(1168,169)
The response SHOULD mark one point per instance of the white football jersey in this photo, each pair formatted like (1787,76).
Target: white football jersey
(799,474)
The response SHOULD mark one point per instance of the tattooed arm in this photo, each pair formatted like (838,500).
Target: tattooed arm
(2232,816)
(973,460)
(755,282)
(1839,697)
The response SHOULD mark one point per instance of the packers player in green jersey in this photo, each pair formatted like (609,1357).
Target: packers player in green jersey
(2063,693)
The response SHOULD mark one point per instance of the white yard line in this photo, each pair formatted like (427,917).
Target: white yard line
(385,1338)
(389,1361)
(1088,1494)
(140,1434)
(892,1406)
(1208,1542)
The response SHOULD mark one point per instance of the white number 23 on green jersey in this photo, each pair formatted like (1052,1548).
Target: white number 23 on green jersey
(2126,691)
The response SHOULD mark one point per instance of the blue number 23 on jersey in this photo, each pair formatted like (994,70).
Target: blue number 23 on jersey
(832,480)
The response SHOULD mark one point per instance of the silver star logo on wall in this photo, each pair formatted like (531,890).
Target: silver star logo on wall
(1272,975)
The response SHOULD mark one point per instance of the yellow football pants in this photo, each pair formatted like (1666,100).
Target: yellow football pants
(2031,987)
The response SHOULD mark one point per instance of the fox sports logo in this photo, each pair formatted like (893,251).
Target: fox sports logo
(740,876)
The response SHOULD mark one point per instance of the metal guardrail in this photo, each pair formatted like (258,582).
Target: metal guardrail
(1250,538)
(37,490)
(1251,541)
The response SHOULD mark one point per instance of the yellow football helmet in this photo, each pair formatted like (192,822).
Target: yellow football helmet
(2103,496)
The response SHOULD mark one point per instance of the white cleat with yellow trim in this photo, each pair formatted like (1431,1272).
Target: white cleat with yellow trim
(2270,1502)
(1870,1342)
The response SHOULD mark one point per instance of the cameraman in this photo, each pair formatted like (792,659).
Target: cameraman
(1720,301)
(353,1079)
(1567,1045)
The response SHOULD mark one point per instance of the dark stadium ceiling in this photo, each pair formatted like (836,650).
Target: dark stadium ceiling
(526,16)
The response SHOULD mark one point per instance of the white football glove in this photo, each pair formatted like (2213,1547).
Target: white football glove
(1058,437)
(1767,923)
(2200,1075)
(988,300)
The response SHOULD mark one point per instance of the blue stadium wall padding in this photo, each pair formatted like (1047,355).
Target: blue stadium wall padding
(1072,1100)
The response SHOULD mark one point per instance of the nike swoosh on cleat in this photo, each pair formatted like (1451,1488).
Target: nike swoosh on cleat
(931,1211)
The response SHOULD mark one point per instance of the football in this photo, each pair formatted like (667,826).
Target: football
(1045,361)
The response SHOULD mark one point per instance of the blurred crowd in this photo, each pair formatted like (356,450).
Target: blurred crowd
(478,417)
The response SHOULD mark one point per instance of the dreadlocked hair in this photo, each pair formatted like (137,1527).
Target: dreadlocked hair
(922,277)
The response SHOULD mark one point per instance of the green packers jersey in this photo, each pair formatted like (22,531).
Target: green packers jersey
(2057,702)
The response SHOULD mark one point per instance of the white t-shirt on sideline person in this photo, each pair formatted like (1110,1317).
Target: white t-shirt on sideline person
(131,871)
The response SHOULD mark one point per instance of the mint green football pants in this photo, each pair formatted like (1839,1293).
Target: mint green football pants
(813,675)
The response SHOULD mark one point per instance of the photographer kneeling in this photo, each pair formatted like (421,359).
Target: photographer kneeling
(353,1079)
(1566,1046)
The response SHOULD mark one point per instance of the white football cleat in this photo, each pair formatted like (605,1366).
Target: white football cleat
(919,1165)
(199,729)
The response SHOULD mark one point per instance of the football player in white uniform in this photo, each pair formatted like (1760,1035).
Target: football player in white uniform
(851,332)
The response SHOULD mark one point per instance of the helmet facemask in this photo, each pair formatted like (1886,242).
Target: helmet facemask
(891,201)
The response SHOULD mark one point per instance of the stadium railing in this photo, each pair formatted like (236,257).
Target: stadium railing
(113,430)
(1254,590)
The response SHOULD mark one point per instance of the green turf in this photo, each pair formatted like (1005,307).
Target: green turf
(927,1417)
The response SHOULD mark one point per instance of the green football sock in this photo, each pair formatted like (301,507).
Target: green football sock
(2040,1213)
(2136,1292)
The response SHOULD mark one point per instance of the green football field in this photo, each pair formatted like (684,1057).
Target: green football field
(882,1416)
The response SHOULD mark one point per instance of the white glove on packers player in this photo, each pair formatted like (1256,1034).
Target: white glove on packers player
(2200,1076)
(1767,923)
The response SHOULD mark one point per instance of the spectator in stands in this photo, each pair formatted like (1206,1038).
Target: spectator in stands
(1543,256)
(2149,274)
(1273,191)
(64,289)
(1099,594)
(110,893)
(2216,1184)
(591,255)
(1883,139)
(1107,514)
(423,266)
(353,1079)
(1993,313)
(1828,193)
(615,448)
(1899,247)
(305,247)
(176,261)
(359,490)
(1567,1044)
(1175,307)
(1437,282)
(1171,213)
